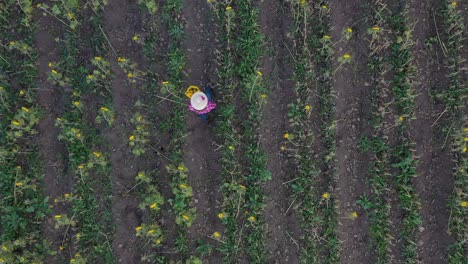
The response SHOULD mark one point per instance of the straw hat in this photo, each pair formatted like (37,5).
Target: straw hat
(199,101)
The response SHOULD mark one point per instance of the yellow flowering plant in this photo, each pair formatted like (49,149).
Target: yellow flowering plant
(139,137)
(105,114)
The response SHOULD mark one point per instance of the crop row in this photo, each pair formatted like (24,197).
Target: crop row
(23,208)
(87,226)
(456,128)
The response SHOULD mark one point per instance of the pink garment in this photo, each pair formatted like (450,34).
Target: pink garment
(210,107)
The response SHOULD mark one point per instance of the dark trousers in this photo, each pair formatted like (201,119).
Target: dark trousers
(209,93)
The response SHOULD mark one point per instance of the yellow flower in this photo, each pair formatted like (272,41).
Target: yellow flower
(120,59)
(286,136)
(151,231)
(38,5)
(19,184)
(326,37)
(98,58)
(220,215)
(216,234)
(231,147)
(61,247)
(141,174)
(324,6)
(50,64)
(70,16)
(228,8)
(183,186)
(464,150)
(165,82)
(78,135)
(16,123)
(158,241)
(464,204)
(354,214)
(4,248)
(77,103)
(465,129)
(12,43)
(251,218)
(81,166)
(376,28)
(136,37)
(131,138)
(57,216)
(326,195)
(138,228)
(153,206)
(72,260)
(181,168)
(21,92)
(307,107)
(130,75)
(90,76)
(25,109)
(242,186)
(54,71)
(283,148)
(67,195)
(349,30)
(346,56)
(139,118)
(105,109)
(97,154)
(401,118)
(454,3)
(185,217)
(263,96)
(259,73)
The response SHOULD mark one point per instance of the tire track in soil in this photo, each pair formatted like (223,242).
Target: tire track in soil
(200,157)
(282,224)
(121,21)
(434,183)
(353,110)
(51,98)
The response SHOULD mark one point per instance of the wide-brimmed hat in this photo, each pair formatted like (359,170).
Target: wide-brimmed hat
(199,100)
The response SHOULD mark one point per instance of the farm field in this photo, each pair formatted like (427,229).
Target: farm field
(340,133)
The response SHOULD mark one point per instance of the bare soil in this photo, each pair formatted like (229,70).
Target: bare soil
(434,183)
(200,157)
(283,227)
(352,112)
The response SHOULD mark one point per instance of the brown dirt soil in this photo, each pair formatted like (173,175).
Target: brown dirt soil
(283,227)
(57,181)
(352,113)
(434,183)
(122,21)
(200,156)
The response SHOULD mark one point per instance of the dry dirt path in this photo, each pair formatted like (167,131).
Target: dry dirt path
(122,20)
(352,113)
(57,181)
(434,183)
(200,156)
(283,227)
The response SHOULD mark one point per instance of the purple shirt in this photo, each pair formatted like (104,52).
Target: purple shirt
(210,107)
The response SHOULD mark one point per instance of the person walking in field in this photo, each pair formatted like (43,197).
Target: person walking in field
(201,102)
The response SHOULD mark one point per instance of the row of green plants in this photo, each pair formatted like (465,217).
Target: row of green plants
(456,127)
(181,202)
(87,227)
(313,183)
(402,154)
(23,207)
(234,186)
(377,145)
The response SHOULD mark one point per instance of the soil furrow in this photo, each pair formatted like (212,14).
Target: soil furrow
(121,21)
(200,156)
(57,181)
(283,227)
(352,113)
(434,182)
